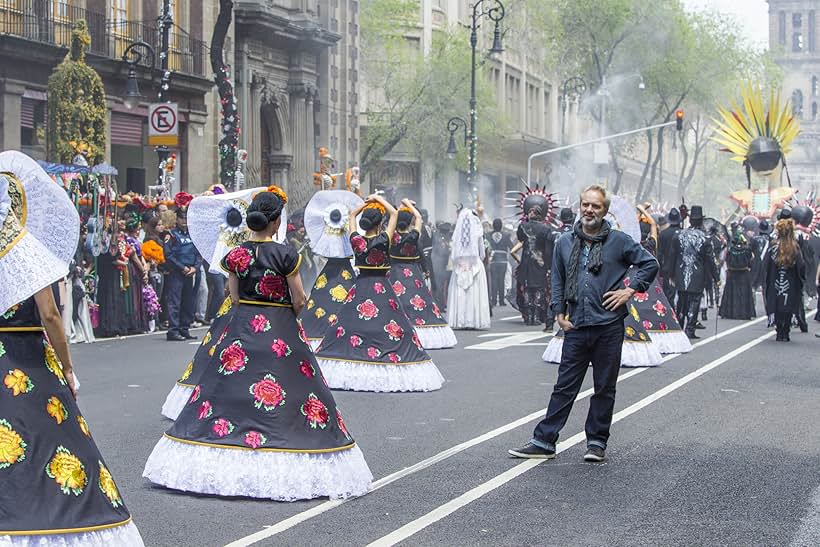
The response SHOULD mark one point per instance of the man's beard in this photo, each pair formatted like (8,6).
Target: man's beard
(592,224)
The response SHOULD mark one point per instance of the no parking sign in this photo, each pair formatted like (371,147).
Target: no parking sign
(163,124)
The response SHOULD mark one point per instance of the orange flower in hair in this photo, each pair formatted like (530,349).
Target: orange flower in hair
(279,192)
(376,205)
(406,210)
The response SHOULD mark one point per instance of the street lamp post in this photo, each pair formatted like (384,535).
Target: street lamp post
(453,125)
(572,87)
(133,55)
(494,11)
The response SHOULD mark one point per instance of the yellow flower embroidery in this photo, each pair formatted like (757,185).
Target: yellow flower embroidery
(68,471)
(212,350)
(107,486)
(310,304)
(83,426)
(207,339)
(320,312)
(53,364)
(12,446)
(332,319)
(18,382)
(56,409)
(225,307)
(630,331)
(642,336)
(346,275)
(634,312)
(187,373)
(338,293)
(321,281)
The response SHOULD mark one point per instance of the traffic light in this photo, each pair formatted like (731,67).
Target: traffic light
(679,120)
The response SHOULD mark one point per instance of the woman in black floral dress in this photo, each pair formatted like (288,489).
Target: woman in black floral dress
(261,422)
(56,488)
(407,280)
(373,346)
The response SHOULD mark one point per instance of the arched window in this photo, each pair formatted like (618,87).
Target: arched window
(797,103)
(814,111)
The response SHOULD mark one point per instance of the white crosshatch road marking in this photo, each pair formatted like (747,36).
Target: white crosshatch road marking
(503,340)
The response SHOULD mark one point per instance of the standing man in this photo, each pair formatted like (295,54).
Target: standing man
(500,245)
(567,218)
(666,253)
(694,266)
(588,264)
(183,261)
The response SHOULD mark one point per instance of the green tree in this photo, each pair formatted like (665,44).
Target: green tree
(76,103)
(410,95)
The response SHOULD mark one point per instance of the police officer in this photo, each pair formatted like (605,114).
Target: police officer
(183,262)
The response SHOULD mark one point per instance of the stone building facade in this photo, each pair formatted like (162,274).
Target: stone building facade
(794,29)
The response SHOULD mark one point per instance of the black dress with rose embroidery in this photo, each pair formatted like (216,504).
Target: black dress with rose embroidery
(54,480)
(327,296)
(374,346)
(261,421)
(407,281)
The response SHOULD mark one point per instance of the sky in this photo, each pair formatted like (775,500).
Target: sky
(752,15)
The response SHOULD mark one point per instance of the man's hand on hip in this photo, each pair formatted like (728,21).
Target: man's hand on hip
(615,299)
(564,323)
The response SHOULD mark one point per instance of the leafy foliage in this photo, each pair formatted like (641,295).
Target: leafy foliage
(76,103)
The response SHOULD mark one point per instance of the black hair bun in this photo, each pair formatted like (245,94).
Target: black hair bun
(265,208)
(404,219)
(370,218)
(233,218)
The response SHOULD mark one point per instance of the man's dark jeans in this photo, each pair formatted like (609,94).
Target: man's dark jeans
(181,302)
(216,294)
(498,271)
(600,345)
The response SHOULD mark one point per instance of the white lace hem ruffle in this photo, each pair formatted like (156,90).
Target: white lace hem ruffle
(436,337)
(126,535)
(372,377)
(671,341)
(281,476)
(176,400)
(633,354)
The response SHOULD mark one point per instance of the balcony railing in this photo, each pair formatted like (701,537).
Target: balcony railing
(51,22)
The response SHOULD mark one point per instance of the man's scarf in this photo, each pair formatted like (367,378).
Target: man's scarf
(594,261)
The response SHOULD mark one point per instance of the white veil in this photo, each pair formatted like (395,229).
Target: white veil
(468,237)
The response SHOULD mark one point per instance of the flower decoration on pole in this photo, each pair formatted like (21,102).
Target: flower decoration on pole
(229,142)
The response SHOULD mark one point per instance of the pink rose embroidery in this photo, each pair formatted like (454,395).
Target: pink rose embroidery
(375,257)
(663,326)
(378,287)
(626,281)
(420,322)
(267,393)
(659,308)
(367,310)
(315,411)
(407,272)
(280,348)
(355,341)
(640,296)
(233,359)
(302,334)
(259,323)
(307,369)
(351,294)
(359,244)
(408,249)
(394,357)
(396,238)
(658,289)
(418,303)
(239,261)
(222,427)
(340,331)
(393,304)
(272,286)
(436,311)
(416,340)
(205,410)
(222,336)
(332,319)
(647,324)
(419,284)
(195,395)
(373,352)
(394,331)
(398,288)
(341,423)
(254,439)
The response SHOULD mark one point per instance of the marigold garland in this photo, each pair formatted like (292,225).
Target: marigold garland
(279,192)
(152,251)
(376,205)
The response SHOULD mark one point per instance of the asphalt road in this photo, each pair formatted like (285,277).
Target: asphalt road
(716,447)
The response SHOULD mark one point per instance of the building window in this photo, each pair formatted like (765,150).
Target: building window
(781,27)
(815,86)
(797,103)
(797,42)
(811,30)
(814,111)
(797,20)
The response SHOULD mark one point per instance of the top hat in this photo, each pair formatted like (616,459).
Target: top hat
(566,215)
(696,213)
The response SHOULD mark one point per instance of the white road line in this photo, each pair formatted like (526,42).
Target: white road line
(511,318)
(508,341)
(286,524)
(455,504)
